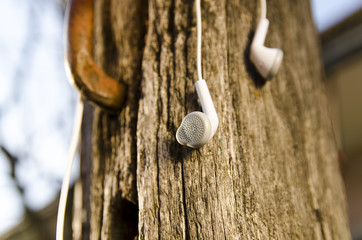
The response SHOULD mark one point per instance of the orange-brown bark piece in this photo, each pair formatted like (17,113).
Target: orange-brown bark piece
(93,83)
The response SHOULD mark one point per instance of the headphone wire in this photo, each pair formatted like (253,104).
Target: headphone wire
(65,185)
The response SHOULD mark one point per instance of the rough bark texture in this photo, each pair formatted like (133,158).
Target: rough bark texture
(270,171)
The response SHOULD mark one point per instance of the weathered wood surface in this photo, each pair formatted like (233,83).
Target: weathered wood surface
(271,170)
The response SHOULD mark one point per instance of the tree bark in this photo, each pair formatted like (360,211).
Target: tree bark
(271,169)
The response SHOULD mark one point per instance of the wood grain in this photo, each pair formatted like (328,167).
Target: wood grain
(270,171)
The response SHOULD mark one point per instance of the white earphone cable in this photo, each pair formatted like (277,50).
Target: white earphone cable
(66,179)
(199,33)
(262,9)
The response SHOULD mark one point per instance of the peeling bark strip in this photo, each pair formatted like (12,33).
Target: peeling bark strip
(119,41)
(271,170)
(91,81)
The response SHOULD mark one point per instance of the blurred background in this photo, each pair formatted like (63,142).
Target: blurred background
(34,127)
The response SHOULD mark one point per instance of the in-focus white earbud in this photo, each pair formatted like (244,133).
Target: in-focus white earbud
(266,60)
(197,128)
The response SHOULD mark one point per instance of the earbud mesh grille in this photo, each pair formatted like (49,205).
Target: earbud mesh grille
(192,129)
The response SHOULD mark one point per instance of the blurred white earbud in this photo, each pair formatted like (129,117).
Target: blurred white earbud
(266,60)
(197,128)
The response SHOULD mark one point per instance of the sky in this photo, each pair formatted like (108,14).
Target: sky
(37,104)
(327,13)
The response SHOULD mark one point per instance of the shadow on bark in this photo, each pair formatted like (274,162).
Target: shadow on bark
(124,219)
(259,81)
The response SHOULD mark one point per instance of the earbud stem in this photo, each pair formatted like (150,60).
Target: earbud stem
(261,31)
(207,105)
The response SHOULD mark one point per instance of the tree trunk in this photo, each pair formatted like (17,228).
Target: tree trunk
(271,169)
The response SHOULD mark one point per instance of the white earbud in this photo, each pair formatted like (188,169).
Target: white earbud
(266,60)
(197,128)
